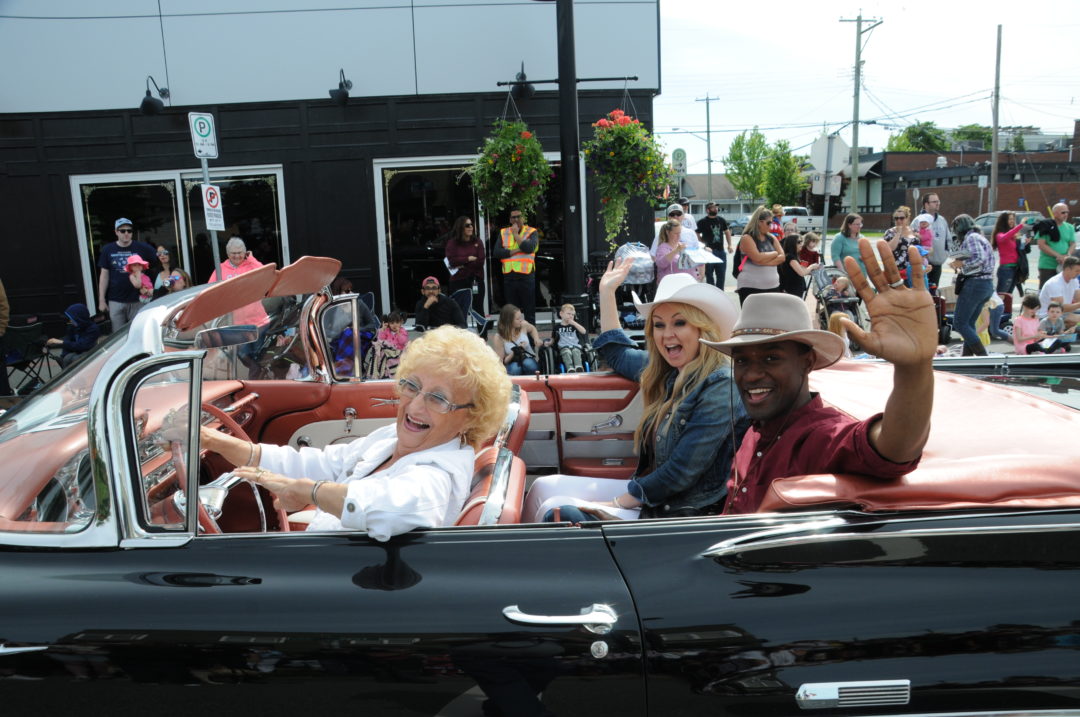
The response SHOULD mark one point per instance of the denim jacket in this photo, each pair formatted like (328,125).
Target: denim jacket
(693,450)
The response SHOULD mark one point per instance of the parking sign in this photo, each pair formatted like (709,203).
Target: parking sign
(203,135)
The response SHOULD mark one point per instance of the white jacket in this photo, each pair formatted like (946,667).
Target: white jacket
(421,490)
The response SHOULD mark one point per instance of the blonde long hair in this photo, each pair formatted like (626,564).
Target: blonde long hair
(655,376)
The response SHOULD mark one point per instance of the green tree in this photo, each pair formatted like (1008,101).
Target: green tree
(784,180)
(974,132)
(919,137)
(1016,144)
(745,163)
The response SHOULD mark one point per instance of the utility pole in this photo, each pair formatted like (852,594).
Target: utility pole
(855,120)
(708,138)
(992,197)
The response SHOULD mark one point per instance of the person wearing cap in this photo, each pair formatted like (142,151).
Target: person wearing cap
(688,220)
(436,309)
(773,349)
(715,235)
(692,418)
(116,294)
(517,253)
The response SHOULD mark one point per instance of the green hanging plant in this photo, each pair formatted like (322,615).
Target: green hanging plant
(626,162)
(511,170)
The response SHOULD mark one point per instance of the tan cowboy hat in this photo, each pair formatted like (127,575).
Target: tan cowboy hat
(685,289)
(780,317)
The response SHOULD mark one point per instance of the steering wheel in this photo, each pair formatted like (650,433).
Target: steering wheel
(208,523)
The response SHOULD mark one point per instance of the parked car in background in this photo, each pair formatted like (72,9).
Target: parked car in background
(803,219)
(737,223)
(985,222)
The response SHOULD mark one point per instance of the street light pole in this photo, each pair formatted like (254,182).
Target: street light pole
(855,122)
(708,138)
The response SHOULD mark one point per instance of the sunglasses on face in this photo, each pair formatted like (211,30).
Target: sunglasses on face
(899,218)
(125,231)
(675,214)
(436,402)
(468,226)
(514,217)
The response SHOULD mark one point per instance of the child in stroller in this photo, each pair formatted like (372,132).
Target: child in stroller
(833,291)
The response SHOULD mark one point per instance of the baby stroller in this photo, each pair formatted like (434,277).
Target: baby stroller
(595,269)
(829,301)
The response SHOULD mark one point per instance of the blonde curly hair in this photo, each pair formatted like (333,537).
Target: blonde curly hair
(466,359)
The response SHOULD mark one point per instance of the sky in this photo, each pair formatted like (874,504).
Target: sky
(788,68)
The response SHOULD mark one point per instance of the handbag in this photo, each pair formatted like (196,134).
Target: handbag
(958,285)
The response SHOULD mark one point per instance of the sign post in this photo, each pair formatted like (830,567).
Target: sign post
(204,140)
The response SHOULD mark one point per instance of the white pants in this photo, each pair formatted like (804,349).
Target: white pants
(549,492)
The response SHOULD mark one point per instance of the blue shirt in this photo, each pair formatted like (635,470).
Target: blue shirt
(694,446)
(114,258)
(842,246)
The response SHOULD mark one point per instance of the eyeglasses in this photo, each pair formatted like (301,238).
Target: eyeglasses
(125,231)
(430,287)
(675,214)
(899,217)
(468,226)
(515,216)
(435,401)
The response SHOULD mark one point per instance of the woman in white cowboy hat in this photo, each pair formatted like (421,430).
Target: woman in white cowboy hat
(692,418)
(773,350)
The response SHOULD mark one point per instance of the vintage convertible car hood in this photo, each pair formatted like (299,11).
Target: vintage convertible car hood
(989,446)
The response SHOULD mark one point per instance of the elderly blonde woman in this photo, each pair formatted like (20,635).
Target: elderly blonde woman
(414,474)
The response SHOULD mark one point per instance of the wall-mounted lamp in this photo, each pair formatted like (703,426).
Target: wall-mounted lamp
(522,90)
(340,96)
(152,105)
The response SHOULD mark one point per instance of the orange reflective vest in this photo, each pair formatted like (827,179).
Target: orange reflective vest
(518,262)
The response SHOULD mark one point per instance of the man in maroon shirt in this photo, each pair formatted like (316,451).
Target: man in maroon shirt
(773,350)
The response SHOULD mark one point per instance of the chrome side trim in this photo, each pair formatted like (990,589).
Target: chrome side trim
(5,650)
(829,695)
(512,412)
(746,543)
(500,481)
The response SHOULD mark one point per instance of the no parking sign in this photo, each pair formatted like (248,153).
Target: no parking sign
(211,202)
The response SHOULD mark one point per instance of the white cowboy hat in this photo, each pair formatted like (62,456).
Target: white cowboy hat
(685,289)
(780,317)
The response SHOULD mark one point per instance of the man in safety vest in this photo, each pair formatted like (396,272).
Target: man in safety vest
(517,251)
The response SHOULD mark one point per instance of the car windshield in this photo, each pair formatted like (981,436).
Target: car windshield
(1059,389)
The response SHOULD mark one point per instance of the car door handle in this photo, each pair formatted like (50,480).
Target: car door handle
(597,618)
(5,650)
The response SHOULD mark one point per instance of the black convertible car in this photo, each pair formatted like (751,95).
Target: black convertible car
(138,578)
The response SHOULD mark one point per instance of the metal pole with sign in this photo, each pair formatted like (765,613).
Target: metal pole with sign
(204,140)
(678,163)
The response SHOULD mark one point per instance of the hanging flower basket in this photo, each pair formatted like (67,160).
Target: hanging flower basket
(511,171)
(626,162)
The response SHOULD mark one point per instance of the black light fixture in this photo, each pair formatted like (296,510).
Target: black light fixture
(522,90)
(340,96)
(152,105)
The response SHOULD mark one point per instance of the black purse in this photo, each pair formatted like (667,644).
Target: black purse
(958,285)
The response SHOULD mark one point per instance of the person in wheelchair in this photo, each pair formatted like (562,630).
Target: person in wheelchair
(516,342)
(570,340)
(416,473)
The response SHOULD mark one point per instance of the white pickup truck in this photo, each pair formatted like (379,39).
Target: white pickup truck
(803,219)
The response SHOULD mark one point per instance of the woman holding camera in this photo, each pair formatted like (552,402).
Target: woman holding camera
(516,341)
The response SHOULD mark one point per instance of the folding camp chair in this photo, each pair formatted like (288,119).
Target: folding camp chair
(24,346)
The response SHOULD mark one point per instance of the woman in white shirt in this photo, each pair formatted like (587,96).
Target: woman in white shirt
(415,473)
